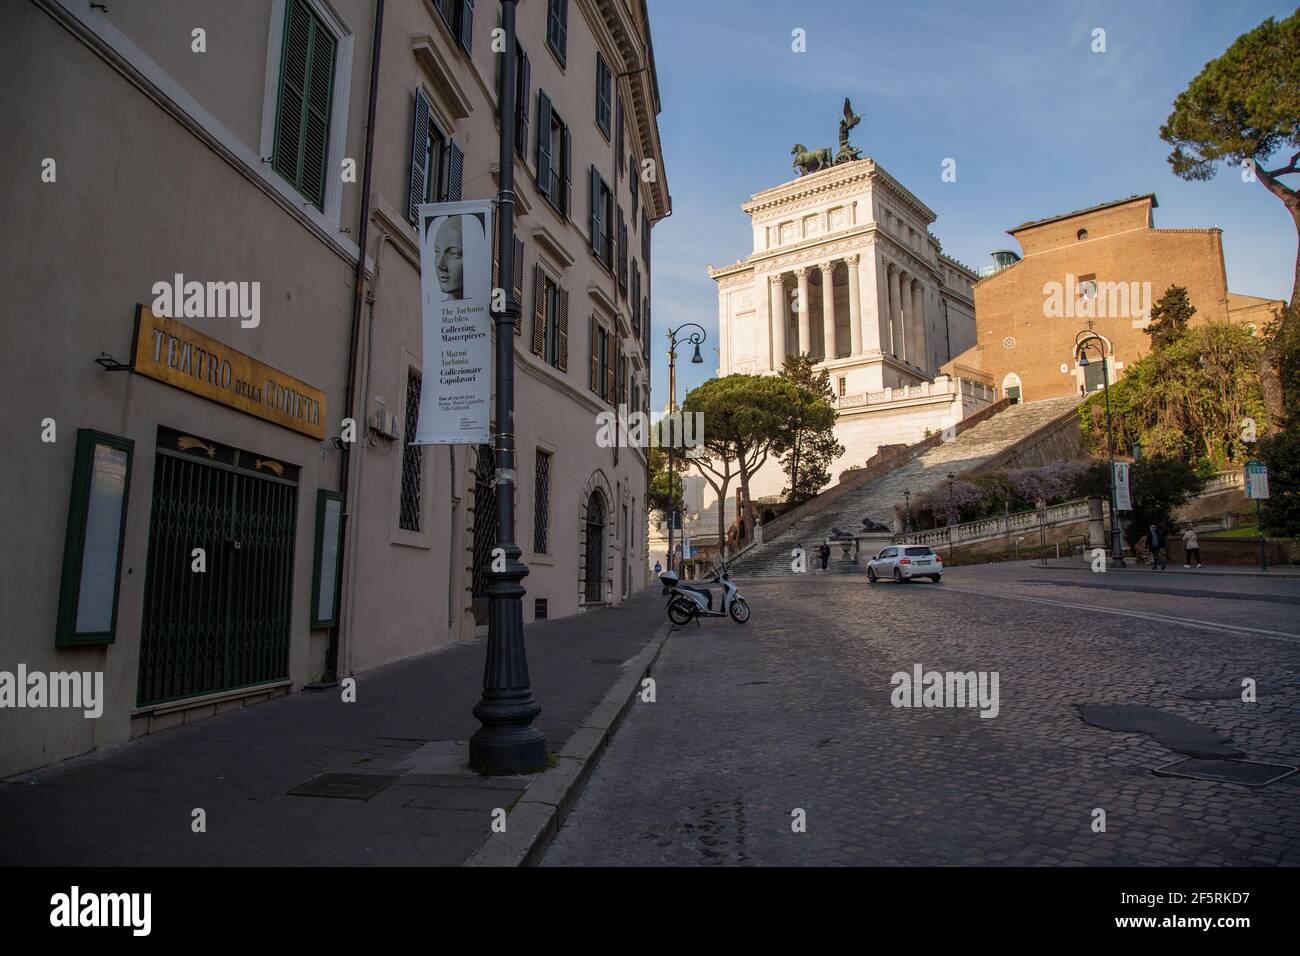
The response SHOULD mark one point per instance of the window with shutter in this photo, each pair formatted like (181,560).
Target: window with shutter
(522,84)
(567,166)
(603,83)
(305,100)
(607,358)
(633,185)
(622,253)
(557,27)
(543,159)
(458,15)
(539,312)
(645,240)
(594,381)
(455,169)
(636,301)
(618,146)
(519,285)
(562,334)
(594,194)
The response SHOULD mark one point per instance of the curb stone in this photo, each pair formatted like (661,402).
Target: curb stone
(1280,574)
(536,817)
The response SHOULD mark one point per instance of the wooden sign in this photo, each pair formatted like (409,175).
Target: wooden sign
(172,352)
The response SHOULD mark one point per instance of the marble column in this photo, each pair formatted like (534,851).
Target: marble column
(898,339)
(805,327)
(855,307)
(724,334)
(878,290)
(776,298)
(828,311)
(918,329)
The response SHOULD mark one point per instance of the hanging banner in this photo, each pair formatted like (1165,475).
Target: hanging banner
(1123,501)
(455,294)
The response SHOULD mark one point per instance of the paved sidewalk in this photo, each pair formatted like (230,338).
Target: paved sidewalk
(134,805)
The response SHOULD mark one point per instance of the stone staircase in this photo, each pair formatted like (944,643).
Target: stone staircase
(876,499)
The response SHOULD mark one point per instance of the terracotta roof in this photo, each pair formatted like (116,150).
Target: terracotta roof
(1080,212)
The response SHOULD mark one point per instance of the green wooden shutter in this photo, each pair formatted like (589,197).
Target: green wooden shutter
(419,151)
(597,246)
(539,312)
(562,336)
(303,110)
(544,144)
(455,170)
(566,186)
(518,284)
(466,24)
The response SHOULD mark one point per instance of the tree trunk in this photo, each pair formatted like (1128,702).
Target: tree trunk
(1291,199)
(746,510)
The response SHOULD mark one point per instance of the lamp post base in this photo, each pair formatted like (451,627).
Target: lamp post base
(496,747)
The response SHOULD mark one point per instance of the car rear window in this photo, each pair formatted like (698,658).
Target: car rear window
(919,552)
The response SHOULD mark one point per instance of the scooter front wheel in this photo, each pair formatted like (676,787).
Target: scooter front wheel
(739,611)
(680,611)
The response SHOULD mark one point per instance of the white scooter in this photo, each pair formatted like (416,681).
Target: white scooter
(688,603)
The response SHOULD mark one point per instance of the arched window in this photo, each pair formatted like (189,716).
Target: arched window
(1011,387)
(1081,235)
(593,571)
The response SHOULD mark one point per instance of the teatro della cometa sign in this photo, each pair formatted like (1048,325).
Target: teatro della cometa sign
(172,352)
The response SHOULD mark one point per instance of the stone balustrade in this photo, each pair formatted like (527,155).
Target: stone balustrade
(997,525)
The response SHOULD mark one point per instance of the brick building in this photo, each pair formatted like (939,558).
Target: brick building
(1106,265)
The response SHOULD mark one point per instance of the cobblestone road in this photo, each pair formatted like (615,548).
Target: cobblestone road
(793,712)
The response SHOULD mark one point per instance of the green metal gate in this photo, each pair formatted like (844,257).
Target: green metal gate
(226,626)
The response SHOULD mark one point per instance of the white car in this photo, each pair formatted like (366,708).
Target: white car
(902,563)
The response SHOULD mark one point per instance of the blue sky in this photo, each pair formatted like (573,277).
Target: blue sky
(1037,122)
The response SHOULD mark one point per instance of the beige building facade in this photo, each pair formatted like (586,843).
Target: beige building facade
(219,149)
(845,269)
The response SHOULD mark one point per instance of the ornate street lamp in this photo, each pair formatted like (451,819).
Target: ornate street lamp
(1082,343)
(694,338)
(506,739)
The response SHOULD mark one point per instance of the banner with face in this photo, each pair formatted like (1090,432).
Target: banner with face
(455,293)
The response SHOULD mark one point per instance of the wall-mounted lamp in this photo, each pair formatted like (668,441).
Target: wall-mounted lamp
(110,364)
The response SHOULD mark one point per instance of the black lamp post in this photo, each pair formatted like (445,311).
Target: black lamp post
(507,739)
(907,510)
(694,338)
(1082,342)
(952,517)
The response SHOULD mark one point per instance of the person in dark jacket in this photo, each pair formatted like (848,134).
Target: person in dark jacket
(1155,544)
(825,552)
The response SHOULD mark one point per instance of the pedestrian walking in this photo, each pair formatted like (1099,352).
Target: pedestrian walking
(825,552)
(1192,548)
(1155,541)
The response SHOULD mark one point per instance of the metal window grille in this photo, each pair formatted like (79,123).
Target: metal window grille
(539,609)
(542,504)
(412,458)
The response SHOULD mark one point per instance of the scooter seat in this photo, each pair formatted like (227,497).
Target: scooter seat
(705,591)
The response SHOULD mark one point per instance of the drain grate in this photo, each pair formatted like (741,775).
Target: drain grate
(1247,772)
(346,786)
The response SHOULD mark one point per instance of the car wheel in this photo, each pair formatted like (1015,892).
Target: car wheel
(898,576)
(936,578)
(871,575)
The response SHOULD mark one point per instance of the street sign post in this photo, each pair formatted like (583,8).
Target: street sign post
(1256,482)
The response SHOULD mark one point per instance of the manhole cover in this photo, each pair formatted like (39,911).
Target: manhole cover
(348,786)
(1246,772)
